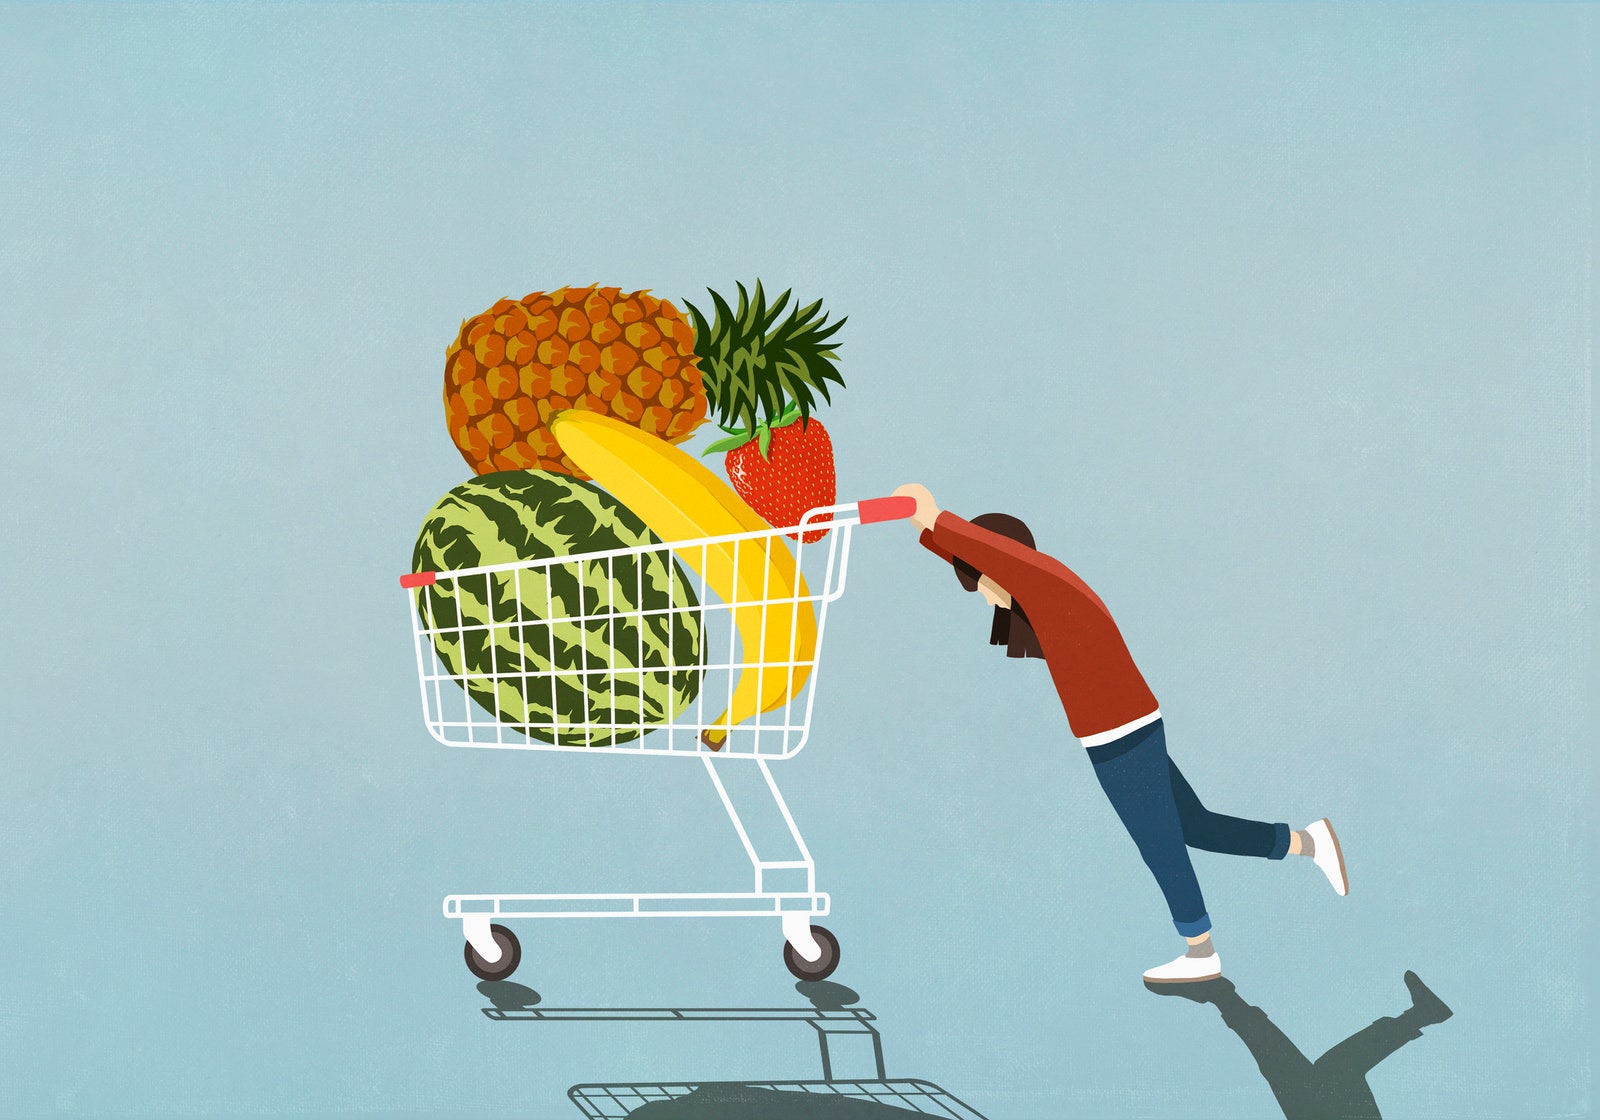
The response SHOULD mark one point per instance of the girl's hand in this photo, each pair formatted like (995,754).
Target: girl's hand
(927,512)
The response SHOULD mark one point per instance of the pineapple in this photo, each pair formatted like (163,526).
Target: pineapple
(512,367)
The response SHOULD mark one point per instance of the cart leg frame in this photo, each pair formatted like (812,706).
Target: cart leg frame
(795,908)
(475,927)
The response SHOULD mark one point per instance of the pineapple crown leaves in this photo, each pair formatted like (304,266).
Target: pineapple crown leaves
(759,373)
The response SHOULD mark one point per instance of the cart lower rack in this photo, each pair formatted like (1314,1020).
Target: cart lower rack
(731,682)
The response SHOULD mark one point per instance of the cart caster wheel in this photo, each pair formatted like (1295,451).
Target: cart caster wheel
(823,966)
(510,956)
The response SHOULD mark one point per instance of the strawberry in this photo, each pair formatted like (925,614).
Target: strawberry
(783,471)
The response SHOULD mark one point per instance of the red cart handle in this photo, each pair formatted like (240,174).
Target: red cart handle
(872,510)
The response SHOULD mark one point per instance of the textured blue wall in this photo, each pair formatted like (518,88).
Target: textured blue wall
(1275,322)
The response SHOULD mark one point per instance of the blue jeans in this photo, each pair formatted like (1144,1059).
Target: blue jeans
(1165,819)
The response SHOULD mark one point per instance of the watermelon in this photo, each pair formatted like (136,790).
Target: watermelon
(514,638)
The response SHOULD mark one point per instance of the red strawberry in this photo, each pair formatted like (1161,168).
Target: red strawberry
(795,474)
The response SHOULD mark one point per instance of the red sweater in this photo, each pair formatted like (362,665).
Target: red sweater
(1099,685)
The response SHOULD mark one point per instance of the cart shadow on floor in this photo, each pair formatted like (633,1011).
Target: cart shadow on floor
(508,997)
(1334,1085)
(848,1042)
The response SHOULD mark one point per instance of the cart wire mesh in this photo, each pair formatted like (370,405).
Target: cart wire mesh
(597,651)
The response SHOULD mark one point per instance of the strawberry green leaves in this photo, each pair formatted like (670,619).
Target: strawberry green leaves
(738,437)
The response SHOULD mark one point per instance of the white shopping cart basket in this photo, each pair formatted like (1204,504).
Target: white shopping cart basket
(764,631)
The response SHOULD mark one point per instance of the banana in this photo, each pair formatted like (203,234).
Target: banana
(680,499)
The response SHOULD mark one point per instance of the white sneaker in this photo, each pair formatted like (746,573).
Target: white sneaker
(1327,855)
(1186,970)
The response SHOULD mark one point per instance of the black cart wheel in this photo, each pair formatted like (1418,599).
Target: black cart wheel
(823,966)
(510,956)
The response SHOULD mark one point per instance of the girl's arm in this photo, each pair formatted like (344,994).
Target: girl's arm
(1011,564)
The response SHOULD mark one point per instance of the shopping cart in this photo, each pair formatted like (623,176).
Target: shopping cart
(731,638)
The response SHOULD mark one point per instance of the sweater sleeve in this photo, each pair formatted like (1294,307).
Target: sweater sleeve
(933,546)
(1011,564)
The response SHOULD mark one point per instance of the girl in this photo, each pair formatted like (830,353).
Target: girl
(1042,609)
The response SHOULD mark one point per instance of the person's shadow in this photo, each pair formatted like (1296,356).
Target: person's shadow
(1335,1085)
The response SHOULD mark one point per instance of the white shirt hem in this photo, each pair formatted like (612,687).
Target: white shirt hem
(1101,738)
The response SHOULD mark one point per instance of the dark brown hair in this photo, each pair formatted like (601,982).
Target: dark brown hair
(1010,627)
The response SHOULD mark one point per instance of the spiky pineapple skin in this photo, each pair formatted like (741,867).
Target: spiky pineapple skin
(513,366)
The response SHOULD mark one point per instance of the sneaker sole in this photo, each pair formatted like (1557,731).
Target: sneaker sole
(1338,853)
(1182,979)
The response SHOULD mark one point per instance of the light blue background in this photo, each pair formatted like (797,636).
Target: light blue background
(1275,322)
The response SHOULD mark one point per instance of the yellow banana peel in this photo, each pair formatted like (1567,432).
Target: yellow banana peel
(680,499)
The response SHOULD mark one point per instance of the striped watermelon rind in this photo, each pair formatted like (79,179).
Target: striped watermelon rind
(514,637)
